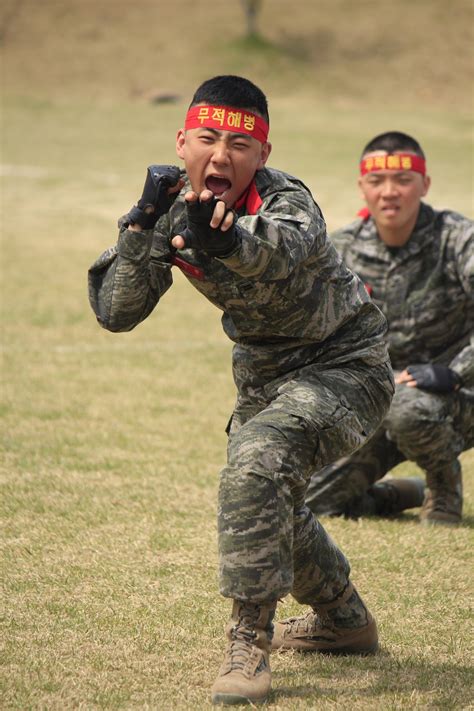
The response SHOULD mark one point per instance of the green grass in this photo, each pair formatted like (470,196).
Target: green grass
(112,443)
(112,446)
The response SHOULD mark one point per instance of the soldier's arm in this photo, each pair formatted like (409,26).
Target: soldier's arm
(127,281)
(463,363)
(342,240)
(286,230)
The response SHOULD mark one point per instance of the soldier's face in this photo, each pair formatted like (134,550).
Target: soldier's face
(393,197)
(221,161)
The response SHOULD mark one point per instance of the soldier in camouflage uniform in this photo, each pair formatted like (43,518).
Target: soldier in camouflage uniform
(418,264)
(309,361)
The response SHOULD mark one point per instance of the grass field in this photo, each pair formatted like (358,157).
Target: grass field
(112,443)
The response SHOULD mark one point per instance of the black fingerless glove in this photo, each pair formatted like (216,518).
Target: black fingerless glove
(435,378)
(201,236)
(155,195)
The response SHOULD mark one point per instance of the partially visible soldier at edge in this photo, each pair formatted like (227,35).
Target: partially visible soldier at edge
(418,265)
(310,364)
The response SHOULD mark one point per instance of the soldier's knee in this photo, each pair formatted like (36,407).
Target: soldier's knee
(273,447)
(414,409)
(244,488)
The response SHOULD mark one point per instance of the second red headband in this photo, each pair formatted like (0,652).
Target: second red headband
(227,118)
(393,161)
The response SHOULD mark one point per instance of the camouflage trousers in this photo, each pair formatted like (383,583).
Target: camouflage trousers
(270,544)
(426,428)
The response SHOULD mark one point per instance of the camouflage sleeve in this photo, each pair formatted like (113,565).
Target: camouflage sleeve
(127,281)
(343,238)
(463,363)
(280,236)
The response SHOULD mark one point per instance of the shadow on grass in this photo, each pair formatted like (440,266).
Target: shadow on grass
(409,517)
(467,521)
(446,683)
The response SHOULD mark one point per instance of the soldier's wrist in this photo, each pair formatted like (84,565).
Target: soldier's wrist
(135,227)
(458,381)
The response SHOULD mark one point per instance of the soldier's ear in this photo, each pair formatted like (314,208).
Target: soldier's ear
(265,152)
(426,184)
(180,141)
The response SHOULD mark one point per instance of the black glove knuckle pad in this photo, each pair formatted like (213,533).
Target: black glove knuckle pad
(434,378)
(201,236)
(155,194)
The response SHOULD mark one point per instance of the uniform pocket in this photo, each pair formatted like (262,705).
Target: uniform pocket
(332,426)
(343,437)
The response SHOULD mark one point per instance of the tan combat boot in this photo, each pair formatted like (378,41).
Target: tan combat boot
(443,498)
(318,632)
(245,677)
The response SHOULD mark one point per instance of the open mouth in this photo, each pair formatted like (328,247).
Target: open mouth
(217,185)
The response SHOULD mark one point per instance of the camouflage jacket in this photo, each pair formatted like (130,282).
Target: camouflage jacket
(425,288)
(286,295)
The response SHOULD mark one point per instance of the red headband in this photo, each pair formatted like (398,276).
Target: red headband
(226,118)
(393,161)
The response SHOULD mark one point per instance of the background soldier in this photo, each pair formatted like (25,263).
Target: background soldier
(418,265)
(309,361)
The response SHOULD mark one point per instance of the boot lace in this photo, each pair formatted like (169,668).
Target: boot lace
(442,500)
(240,648)
(305,624)
(242,637)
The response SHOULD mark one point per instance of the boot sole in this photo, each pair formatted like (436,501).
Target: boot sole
(346,651)
(362,642)
(236,700)
(341,651)
(439,522)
